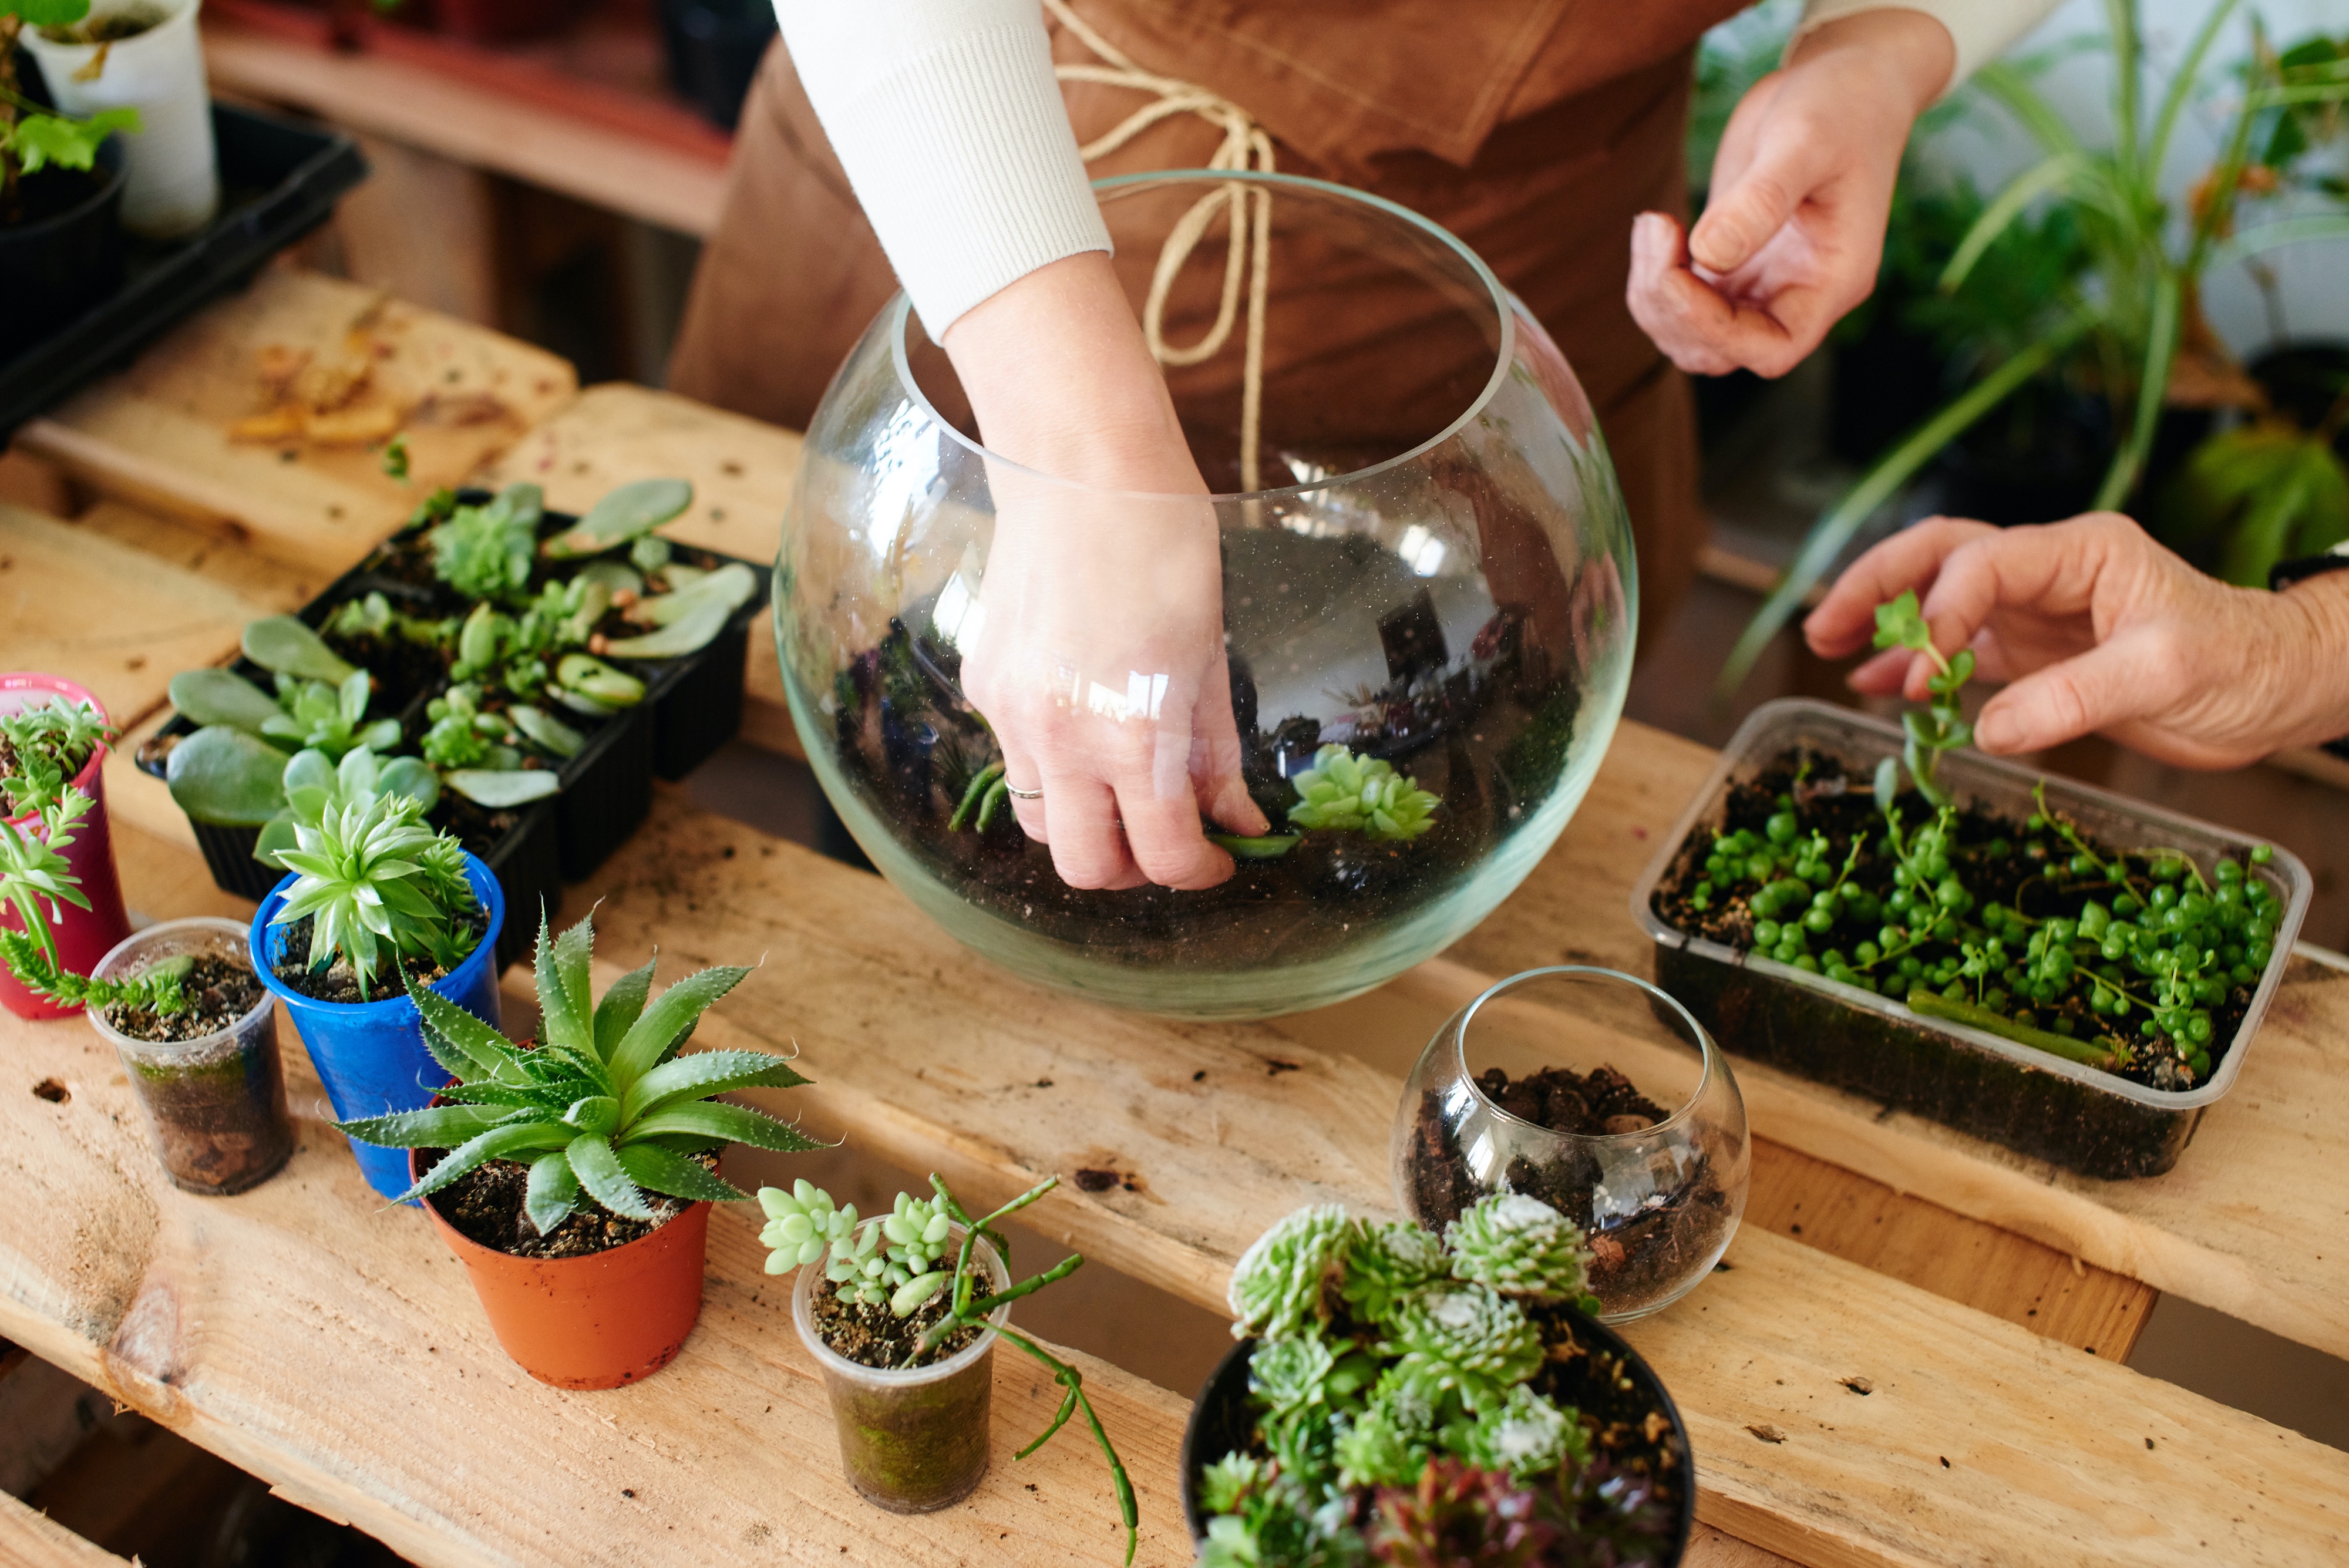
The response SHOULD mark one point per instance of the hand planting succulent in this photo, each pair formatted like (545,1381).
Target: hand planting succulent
(601,1107)
(1408,1401)
(381,890)
(887,1303)
(35,878)
(2129,960)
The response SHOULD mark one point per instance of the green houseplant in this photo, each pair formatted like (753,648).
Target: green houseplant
(60,193)
(2117,325)
(63,909)
(579,1170)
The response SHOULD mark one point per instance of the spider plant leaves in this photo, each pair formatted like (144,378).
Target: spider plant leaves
(675,1010)
(565,1014)
(735,1124)
(607,1181)
(283,644)
(218,697)
(225,777)
(622,1005)
(551,1193)
(632,509)
(502,789)
(663,1170)
(700,1075)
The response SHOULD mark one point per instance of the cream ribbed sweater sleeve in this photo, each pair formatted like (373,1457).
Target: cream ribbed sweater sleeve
(949,120)
(1982,29)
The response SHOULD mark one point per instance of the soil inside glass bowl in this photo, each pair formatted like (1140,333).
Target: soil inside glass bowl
(1996,857)
(1483,731)
(1638,1260)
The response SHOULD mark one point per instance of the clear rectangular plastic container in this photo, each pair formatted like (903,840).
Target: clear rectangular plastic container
(2036,1104)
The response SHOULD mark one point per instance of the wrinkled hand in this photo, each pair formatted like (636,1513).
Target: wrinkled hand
(2099,628)
(1792,233)
(1099,662)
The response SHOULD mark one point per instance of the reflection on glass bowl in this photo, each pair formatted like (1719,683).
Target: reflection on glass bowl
(1441,583)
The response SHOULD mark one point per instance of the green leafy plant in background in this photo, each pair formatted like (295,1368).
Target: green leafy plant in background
(380,886)
(2117,325)
(36,879)
(601,1107)
(895,1263)
(33,136)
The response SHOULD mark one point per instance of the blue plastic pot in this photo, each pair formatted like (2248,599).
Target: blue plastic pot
(372,1055)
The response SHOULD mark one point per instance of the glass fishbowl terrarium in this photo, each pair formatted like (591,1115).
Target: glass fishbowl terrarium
(1427,601)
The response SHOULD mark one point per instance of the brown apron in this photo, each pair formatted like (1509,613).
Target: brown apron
(1534,130)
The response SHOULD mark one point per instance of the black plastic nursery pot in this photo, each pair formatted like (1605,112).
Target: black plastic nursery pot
(279,180)
(1221,1423)
(66,255)
(692,706)
(2041,1106)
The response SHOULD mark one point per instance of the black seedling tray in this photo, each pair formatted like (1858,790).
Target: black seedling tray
(279,180)
(692,706)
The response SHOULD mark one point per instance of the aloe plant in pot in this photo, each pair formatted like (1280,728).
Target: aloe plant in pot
(376,904)
(573,1176)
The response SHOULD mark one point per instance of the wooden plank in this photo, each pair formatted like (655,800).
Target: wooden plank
(159,435)
(2233,1227)
(75,603)
(31,1539)
(741,470)
(473,123)
(333,1346)
(931,1056)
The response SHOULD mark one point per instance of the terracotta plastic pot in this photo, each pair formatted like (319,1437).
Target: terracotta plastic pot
(84,936)
(595,1322)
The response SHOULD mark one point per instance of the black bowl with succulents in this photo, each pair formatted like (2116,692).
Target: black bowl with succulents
(2037,962)
(1401,1397)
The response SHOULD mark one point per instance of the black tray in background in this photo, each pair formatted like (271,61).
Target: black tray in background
(279,180)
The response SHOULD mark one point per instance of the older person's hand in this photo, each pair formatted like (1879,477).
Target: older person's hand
(1794,229)
(2099,628)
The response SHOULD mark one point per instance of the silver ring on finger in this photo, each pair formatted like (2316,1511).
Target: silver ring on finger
(1015,793)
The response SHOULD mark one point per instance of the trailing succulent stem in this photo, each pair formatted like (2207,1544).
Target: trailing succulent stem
(602,1106)
(1942,726)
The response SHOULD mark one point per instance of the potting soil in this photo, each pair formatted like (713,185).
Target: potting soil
(336,983)
(876,1336)
(485,1206)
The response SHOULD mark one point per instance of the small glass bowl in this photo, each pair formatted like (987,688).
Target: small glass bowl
(1658,1200)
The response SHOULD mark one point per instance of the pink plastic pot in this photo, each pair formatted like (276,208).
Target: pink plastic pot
(84,936)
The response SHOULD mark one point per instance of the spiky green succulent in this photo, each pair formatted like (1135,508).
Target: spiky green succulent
(1520,1246)
(1276,1288)
(1361,794)
(1464,1336)
(602,1105)
(378,886)
(1388,1262)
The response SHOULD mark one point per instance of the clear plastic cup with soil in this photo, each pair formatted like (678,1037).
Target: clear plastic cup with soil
(1603,1098)
(913,1439)
(209,1077)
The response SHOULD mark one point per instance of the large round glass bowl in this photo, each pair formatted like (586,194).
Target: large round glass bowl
(1432,570)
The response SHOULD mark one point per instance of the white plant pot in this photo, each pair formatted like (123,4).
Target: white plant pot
(174,177)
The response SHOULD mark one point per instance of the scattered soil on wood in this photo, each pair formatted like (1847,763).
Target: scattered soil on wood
(485,1206)
(875,1336)
(336,983)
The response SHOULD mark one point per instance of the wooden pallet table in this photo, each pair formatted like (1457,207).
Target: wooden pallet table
(333,1347)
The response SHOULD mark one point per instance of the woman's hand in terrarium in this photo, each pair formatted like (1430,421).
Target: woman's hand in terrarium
(1099,662)
(2099,628)
(1792,235)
